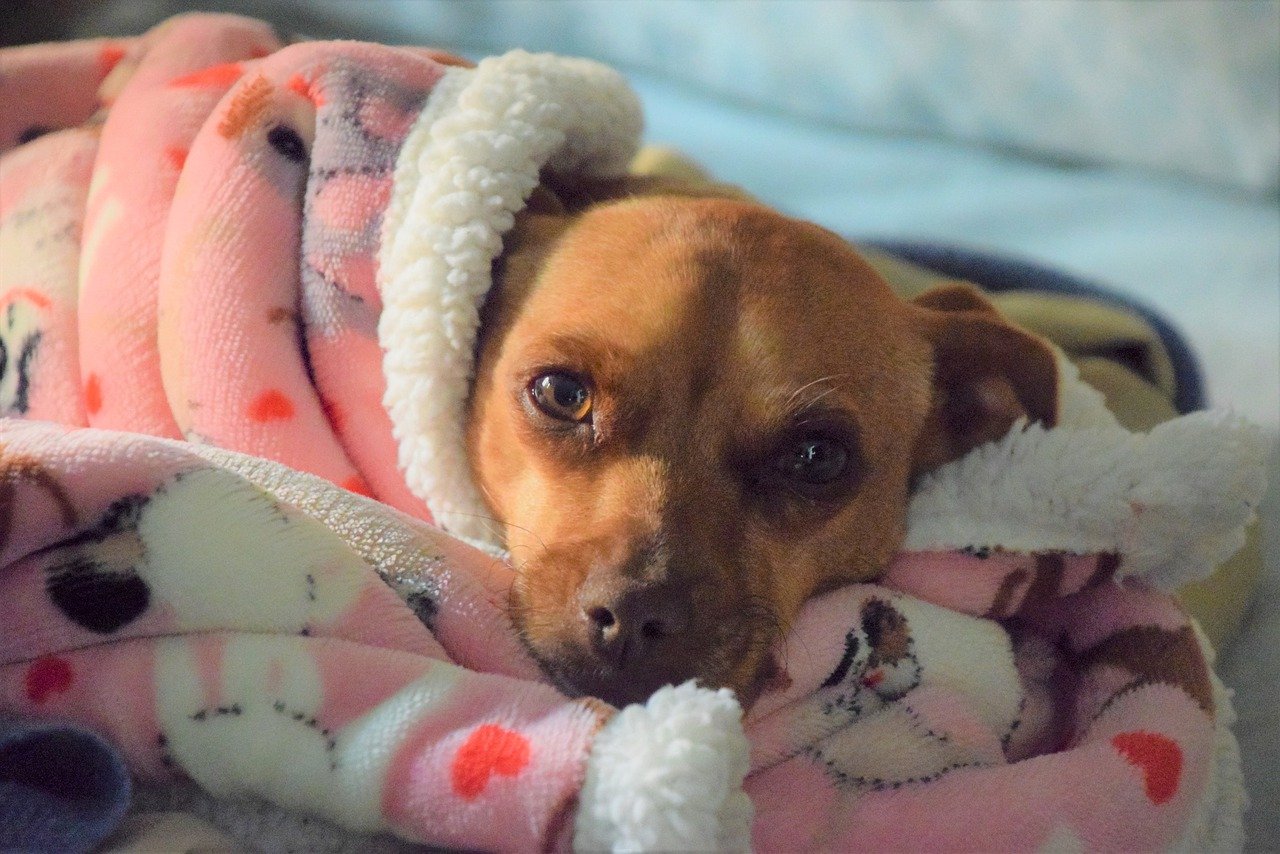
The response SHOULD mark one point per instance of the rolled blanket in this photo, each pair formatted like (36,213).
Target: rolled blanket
(212,262)
(225,618)
(56,85)
(283,254)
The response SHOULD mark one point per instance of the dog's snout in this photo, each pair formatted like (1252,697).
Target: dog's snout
(627,620)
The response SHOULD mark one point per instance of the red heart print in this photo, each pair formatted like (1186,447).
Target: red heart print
(1157,756)
(487,751)
(48,676)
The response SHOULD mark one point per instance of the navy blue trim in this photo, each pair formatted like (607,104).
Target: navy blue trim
(62,788)
(999,273)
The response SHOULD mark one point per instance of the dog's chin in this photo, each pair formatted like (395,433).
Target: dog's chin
(579,675)
(616,691)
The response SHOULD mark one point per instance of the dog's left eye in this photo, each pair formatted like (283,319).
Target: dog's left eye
(561,396)
(816,460)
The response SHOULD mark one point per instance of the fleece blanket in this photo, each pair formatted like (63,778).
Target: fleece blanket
(279,252)
(227,619)
(207,258)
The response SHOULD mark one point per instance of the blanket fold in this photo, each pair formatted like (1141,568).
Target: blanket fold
(278,254)
(342,659)
(225,618)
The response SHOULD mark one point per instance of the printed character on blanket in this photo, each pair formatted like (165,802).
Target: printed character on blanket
(279,252)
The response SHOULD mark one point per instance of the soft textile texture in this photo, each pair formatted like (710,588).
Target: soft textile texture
(166,831)
(56,84)
(62,788)
(225,618)
(205,263)
(263,632)
(210,629)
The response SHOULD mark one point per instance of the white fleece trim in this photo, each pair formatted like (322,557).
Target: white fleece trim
(667,776)
(469,163)
(1173,503)
(1079,404)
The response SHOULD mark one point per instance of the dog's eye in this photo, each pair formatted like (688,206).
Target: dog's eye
(812,459)
(561,396)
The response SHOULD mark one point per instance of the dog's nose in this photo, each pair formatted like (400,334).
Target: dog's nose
(626,621)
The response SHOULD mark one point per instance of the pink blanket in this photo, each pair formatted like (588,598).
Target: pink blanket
(230,620)
(280,252)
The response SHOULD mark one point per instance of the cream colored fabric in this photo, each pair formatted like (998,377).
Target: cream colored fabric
(168,831)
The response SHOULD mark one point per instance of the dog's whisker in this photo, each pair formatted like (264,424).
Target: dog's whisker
(790,404)
(816,400)
(770,630)
(494,525)
(498,525)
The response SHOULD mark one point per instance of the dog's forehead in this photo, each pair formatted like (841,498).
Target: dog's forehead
(754,309)
(777,369)
(671,257)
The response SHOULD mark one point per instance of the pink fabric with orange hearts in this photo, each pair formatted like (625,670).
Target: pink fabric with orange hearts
(227,619)
(340,659)
(199,262)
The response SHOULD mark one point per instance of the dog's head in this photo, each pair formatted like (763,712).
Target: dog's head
(691,415)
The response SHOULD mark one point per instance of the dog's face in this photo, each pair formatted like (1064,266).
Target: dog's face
(692,415)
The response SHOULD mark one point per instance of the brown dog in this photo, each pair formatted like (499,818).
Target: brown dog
(693,414)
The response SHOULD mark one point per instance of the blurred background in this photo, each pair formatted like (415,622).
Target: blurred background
(1134,144)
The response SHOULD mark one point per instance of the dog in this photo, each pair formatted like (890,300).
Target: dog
(692,413)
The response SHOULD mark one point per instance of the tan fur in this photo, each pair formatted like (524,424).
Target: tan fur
(709,327)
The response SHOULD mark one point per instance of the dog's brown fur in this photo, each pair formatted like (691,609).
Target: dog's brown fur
(711,334)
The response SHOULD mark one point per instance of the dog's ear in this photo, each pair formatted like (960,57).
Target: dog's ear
(987,375)
(543,200)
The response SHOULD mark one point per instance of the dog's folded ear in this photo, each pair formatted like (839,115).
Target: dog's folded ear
(987,374)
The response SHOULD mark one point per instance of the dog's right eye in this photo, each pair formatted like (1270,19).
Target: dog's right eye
(820,462)
(561,396)
(813,460)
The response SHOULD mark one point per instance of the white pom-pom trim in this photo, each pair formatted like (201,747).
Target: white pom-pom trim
(667,776)
(1173,503)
